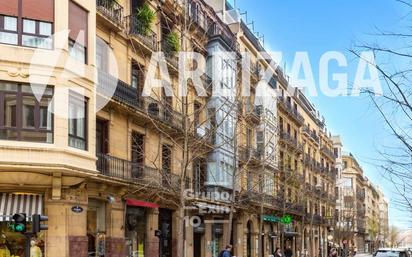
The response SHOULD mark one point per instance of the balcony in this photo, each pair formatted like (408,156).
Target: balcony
(291,141)
(136,173)
(311,134)
(255,71)
(249,154)
(360,195)
(326,151)
(150,108)
(218,31)
(287,107)
(317,219)
(197,16)
(146,38)
(294,208)
(171,57)
(254,113)
(111,13)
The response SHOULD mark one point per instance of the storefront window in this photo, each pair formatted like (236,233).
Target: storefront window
(136,230)
(13,243)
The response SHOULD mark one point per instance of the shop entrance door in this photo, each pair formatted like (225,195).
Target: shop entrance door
(197,245)
(165,225)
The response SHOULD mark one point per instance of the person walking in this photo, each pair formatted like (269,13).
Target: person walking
(333,253)
(227,252)
(278,252)
(288,252)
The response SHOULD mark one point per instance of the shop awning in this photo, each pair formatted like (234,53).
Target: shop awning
(19,203)
(133,202)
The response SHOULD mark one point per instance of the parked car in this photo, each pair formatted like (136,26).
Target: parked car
(392,252)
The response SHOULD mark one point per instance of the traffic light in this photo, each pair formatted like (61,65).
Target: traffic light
(37,225)
(19,224)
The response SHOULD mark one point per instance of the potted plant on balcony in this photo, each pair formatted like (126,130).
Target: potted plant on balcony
(145,18)
(172,44)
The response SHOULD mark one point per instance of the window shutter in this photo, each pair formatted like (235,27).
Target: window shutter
(9,7)
(38,10)
(77,23)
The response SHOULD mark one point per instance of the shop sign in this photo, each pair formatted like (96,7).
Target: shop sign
(77,209)
(285,219)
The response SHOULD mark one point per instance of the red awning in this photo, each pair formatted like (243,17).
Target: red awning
(133,202)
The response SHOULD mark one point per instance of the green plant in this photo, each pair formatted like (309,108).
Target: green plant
(145,17)
(172,41)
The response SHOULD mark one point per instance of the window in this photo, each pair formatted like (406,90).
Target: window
(37,34)
(78,32)
(77,121)
(24,117)
(77,51)
(137,154)
(27,23)
(8,30)
(347,182)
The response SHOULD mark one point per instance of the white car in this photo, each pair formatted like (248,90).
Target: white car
(391,252)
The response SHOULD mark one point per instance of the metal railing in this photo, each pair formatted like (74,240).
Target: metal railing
(291,140)
(135,172)
(197,15)
(170,56)
(111,9)
(129,96)
(328,152)
(291,110)
(248,153)
(217,30)
(146,36)
(253,112)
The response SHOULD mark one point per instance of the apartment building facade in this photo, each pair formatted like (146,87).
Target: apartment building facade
(361,208)
(112,168)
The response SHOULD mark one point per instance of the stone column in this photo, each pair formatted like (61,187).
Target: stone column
(238,240)
(208,239)
(115,241)
(67,231)
(152,224)
(189,239)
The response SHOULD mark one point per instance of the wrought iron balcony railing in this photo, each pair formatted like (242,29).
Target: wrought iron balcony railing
(144,35)
(328,152)
(197,16)
(287,106)
(111,10)
(248,153)
(219,31)
(125,94)
(136,173)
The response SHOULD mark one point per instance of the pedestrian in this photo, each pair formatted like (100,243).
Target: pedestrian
(278,252)
(226,252)
(288,251)
(333,253)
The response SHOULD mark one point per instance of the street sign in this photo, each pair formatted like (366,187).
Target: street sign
(285,219)
(77,209)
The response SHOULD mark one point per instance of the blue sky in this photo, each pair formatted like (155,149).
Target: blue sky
(331,25)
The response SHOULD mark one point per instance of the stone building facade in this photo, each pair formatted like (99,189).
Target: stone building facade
(122,174)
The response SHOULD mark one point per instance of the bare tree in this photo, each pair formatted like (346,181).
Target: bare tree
(394,103)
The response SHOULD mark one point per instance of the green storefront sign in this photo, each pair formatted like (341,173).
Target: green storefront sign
(285,219)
